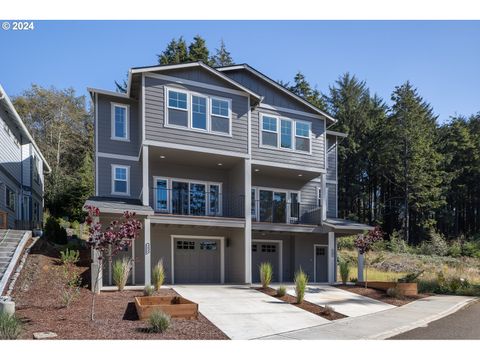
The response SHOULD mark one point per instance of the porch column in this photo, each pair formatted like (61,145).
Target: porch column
(148,252)
(361,261)
(324,196)
(331,257)
(248,221)
(145,176)
(96,273)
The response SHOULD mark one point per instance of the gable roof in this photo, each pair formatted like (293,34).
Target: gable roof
(5,100)
(257,73)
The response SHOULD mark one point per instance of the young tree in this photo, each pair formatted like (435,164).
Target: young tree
(107,243)
(222,57)
(198,51)
(364,243)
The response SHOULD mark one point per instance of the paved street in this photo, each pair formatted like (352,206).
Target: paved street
(464,324)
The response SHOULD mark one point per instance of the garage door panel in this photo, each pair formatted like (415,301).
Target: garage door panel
(197,261)
(265,252)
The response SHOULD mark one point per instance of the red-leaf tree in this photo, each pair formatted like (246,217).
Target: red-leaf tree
(107,243)
(364,243)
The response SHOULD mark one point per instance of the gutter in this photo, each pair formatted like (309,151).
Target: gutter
(6,99)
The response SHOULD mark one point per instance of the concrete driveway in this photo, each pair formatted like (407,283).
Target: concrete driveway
(243,313)
(344,302)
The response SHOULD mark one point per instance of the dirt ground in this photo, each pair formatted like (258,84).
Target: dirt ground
(380,295)
(38,303)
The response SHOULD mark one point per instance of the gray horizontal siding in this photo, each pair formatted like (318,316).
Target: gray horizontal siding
(104,127)
(272,95)
(10,154)
(154,119)
(316,159)
(105,176)
(332,200)
(331,159)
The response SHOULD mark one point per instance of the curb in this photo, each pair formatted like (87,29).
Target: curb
(423,322)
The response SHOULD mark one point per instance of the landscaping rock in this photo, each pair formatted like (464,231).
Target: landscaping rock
(7,305)
(44,335)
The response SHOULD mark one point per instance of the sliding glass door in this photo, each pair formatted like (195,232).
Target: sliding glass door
(275,206)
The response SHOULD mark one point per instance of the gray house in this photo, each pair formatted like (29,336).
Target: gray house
(226,169)
(22,169)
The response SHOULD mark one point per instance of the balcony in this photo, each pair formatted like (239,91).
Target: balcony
(282,212)
(197,200)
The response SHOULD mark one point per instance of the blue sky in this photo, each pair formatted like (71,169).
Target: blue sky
(441,58)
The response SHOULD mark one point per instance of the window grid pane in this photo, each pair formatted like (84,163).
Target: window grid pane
(220,107)
(269,124)
(302,129)
(177,99)
(286,134)
(120,122)
(199,112)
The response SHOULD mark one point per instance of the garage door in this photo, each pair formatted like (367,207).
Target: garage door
(265,252)
(197,261)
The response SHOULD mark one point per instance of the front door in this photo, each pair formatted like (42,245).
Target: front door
(265,252)
(321,263)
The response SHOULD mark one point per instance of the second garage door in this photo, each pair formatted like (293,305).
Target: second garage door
(197,261)
(265,252)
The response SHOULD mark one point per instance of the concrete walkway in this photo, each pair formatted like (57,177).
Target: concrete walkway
(383,324)
(344,302)
(243,313)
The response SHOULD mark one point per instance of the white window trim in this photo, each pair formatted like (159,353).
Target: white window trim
(189,111)
(127,121)
(127,168)
(189,181)
(279,134)
(286,191)
(207,106)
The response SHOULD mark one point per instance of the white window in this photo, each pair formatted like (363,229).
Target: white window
(269,131)
(220,115)
(10,197)
(198,112)
(120,180)
(120,128)
(302,136)
(285,134)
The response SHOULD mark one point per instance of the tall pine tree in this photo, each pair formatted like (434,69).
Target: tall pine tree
(222,56)
(175,52)
(198,51)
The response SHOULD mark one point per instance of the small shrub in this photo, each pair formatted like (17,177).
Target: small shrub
(455,249)
(158,275)
(159,321)
(266,273)
(148,290)
(301,281)
(344,267)
(121,270)
(328,310)
(455,284)
(346,243)
(353,280)
(10,327)
(54,232)
(393,292)
(282,291)
(397,243)
(411,277)
(69,257)
(471,249)
(435,245)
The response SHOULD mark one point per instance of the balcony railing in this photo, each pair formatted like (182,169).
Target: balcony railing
(286,213)
(197,202)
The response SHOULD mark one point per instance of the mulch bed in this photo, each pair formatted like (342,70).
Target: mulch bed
(305,305)
(38,304)
(380,295)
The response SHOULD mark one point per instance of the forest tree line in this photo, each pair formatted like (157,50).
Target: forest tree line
(400,167)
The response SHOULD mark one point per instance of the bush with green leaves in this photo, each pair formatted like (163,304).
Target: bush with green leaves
(397,243)
(344,269)
(266,273)
(148,290)
(159,321)
(158,275)
(434,245)
(10,326)
(471,249)
(411,277)
(121,270)
(54,232)
(393,292)
(301,282)
(455,249)
(69,256)
(282,291)
(346,243)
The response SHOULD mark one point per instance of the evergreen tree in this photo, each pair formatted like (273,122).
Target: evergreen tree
(302,88)
(198,51)
(175,53)
(222,57)
(415,160)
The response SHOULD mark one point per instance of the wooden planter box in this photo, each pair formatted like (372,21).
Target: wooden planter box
(175,306)
(404,289)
